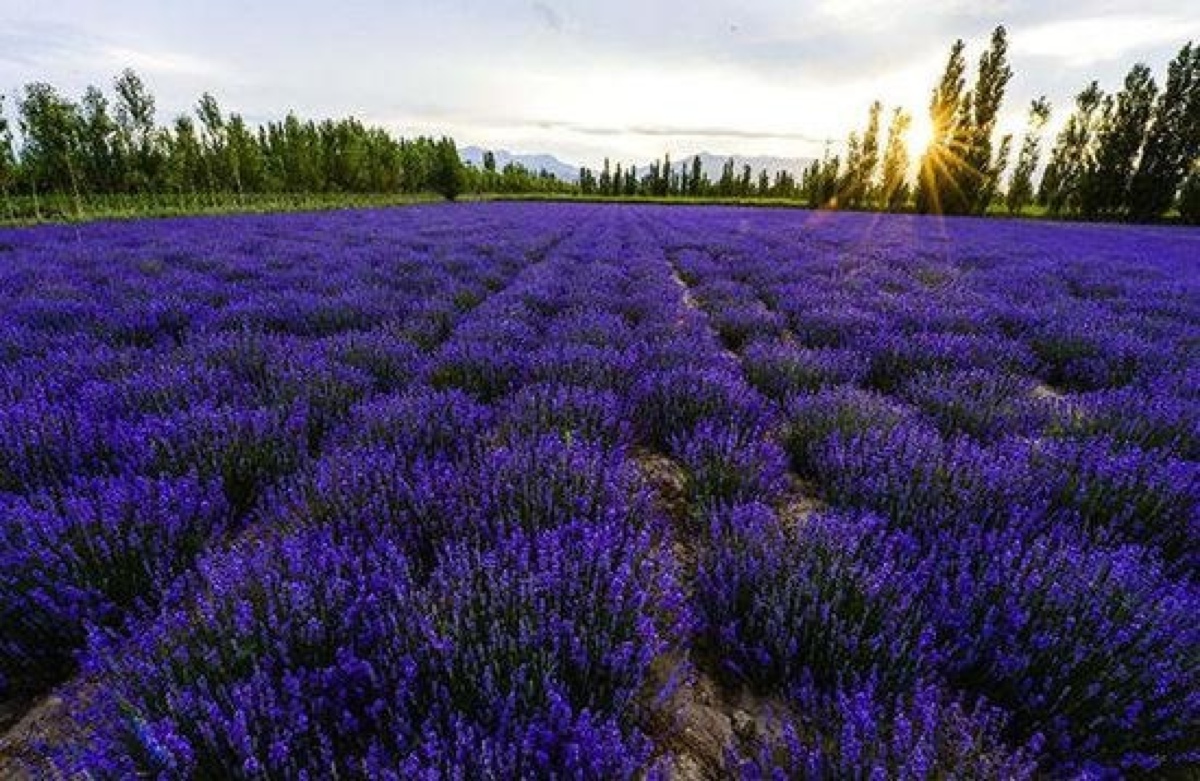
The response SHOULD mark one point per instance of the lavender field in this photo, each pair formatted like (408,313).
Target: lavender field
(587,491)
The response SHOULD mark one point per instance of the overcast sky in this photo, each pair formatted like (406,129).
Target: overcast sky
(577,78)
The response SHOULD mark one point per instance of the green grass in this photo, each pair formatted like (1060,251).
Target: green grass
(24,210)
(59,208)
(714,200)
(674,200)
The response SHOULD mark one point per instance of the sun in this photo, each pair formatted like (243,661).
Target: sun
(920,133)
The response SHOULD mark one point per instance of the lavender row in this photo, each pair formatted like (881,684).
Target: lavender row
(1014,437)
(492,508)
(160,387)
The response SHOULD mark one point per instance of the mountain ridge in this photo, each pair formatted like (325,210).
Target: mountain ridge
(710,163)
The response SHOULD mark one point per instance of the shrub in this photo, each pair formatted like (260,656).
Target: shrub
(485,371)
(728,466)
(1089,647)
(922,482)
(811,420)
(982,404)
(569,411)
(1128,495)
(671,403)
(243,450)
(1137,417)
(314,658)
(92,555)
(422,423)
(781,371)
(833,600)
(863,732)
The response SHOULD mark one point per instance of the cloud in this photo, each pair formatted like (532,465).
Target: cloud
(160,63)
(548,16)
(1092,40)
(690,131)
(37,44)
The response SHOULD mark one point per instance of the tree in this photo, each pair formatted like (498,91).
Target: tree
(446,177)
(1020,188)
(893,189)
(846,183)
(489,161)
(50,155)
(745,183)
(699,185)
(940,165)
(981,170)
(1173,141)
(185,173)
(137,131)
(216,158)
(1072,156)
(8,161)
(100,158)
(862,160)
(728,182)
(247,166)
(990,190)
(819,184)
(1122,130)
(1189,198)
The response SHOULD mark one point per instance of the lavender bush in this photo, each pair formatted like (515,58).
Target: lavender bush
(399,493)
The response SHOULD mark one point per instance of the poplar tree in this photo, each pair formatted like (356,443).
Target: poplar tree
(983,164)
(8,161)
(215,153)
(137,132)
(1173,141)
(1072,157)
(1189,198)
(1020,188)
(100,164)
(1119,139)
(447,177)
(893,189)
(940,164)
(862,161)
(50,154)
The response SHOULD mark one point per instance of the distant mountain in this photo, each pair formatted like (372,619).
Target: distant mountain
(713,164)
(532,162)
(710,163)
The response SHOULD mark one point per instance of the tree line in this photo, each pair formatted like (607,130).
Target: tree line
(106,144)
(1133,154)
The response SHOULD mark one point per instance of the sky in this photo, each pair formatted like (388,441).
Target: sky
(629,79)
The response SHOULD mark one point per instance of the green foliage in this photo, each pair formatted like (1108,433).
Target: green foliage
(1020,189)
(1172,142)
(939,168)
(1121,156)
(862,160)
(1104,190)
(960,170)
(1062,182)
(1189,198)
(893,191)
(446,178)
